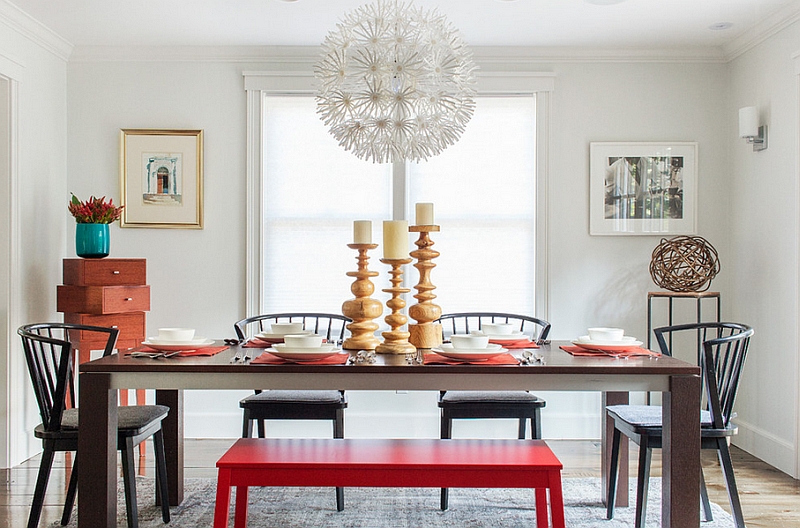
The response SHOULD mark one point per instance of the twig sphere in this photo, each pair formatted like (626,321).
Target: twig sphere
(684,264)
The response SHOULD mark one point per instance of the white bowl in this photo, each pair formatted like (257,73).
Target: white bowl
(303,341)
(469,341)
(497,328)
(183,335)
(606,334)
(286,328)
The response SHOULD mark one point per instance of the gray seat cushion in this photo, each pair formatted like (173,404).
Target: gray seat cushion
(647,415)
(321,397)
(456,397)
(128,417)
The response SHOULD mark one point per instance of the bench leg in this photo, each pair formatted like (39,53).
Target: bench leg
(240,515)
(541,508)
(556,500)
(223,503)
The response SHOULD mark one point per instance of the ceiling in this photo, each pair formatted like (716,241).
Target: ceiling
(593,24)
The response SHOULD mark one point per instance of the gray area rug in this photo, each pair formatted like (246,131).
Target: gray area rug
(397,507)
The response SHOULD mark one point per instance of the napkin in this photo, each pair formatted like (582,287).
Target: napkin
(631,352)
(268,359)
(207,351)
(523,342)
(432,358)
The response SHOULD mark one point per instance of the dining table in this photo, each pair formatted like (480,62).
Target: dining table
(554,369)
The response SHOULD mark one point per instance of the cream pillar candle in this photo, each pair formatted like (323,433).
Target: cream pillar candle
(424,214)
(362,232)
(395,239)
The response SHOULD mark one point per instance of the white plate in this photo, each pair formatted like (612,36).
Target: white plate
(625,341)
(267,335)
(296,355)
(491,347)
(512,337)
(172,346)
(196,340)
(475,355)
(605,347)
(283,347)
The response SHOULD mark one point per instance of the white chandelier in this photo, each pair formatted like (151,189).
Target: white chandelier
(396,83)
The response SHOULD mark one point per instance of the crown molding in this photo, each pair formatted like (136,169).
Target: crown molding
(33,30)
(764,29)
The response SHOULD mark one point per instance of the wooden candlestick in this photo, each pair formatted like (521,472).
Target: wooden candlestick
(363,309)
(396,341)
(425,334)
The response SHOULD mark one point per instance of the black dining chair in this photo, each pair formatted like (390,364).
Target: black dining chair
(295,404)
(48,353)
(721,358)
(521,405)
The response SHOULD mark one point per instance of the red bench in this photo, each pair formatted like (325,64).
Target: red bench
(418,463)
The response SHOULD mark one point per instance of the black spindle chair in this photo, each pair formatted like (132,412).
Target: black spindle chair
(521,405)
(295,404)
(48,352)
(721,358)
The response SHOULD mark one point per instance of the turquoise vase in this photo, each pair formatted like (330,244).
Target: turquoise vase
(92,240)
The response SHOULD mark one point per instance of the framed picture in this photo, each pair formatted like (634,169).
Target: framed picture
(642,188)
(162,178)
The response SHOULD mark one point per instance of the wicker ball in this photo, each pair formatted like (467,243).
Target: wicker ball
(684,264)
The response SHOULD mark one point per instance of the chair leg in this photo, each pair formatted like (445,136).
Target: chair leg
(338,432)
(445,432)
(707,515)
(161,474)
(41,486)
(536,424)
(643,485)
(612,474)
(129,478)
(724,454)
(261,429)
(247,424)
(523,422)
(71,492)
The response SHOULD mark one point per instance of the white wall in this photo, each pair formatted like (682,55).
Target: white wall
(197,276)
(763,226)
(34,207)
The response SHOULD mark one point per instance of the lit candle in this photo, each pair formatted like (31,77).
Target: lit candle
(395,239)
(424,214)
(362,232)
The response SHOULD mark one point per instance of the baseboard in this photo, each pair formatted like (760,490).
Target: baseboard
(775,451)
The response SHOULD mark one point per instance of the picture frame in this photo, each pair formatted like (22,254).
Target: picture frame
(643,188)
(161,178)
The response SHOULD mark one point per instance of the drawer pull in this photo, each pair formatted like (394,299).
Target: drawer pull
(115,272)
(114,326)
(128,298)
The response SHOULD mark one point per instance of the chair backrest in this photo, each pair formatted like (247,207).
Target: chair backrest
(721,357)
(48,353)
(332,326)
(463,323)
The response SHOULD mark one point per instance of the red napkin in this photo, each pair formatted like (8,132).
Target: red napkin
(268,359)
(524,342)
(207,351)
(631,352)
(432,358)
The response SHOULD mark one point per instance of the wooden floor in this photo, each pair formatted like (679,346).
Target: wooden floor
(769,498)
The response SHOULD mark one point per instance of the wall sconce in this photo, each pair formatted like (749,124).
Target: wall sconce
(750,130)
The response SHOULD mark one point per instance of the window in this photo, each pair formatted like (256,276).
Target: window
(483,188)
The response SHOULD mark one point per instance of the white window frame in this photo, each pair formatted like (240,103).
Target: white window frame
(258,84)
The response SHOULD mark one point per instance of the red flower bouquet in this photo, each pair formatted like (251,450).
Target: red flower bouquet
(94,210)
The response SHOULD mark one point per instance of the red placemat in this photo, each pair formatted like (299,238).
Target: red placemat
(631,352)
(207,351)
(432,358)
(258,342)
(519,343)
(268,359)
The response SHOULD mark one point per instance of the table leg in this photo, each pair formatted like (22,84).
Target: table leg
(614,398)
(172,426)
(680,503)
(97,445)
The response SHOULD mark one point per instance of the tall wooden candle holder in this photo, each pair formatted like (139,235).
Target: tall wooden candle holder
(425,334)
(396,341)
(363,309)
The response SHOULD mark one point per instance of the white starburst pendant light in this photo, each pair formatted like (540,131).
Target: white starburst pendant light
(397,83)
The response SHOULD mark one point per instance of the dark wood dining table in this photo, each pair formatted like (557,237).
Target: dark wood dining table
(678,381)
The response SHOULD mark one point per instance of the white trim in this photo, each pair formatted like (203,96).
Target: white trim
(764,29)
(33,30)
(542,272)
(796,385)
(773,450)
(254,234)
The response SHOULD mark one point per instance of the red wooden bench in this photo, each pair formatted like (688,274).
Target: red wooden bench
(418,463)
